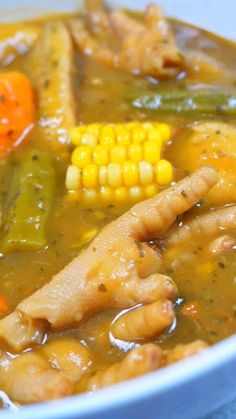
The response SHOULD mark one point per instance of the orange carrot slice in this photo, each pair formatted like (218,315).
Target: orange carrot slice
(17,109)
(4,307)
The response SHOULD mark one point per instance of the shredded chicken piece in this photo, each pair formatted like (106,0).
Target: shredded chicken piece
(144,322)
(139,361)
(185,351)
(117,269)
(147,48)
(28,378)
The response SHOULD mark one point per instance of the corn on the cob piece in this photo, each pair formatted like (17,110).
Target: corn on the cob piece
(118,162)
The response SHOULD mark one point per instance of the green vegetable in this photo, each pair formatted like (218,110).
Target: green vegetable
(28,203)
(187,102)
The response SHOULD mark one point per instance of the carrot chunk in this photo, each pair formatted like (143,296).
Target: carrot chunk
(17,109)
(191,310)
(4,307)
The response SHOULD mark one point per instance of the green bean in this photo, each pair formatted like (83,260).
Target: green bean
(28,203)
(187,102)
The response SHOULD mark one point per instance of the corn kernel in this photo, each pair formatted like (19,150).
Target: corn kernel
(139,134)
(90,176)
(147,125)
(122,134)
(94,129)
(72,177)
(132,125)
(135,152)
(106,194)
(118,153)
(165,131)
(102,175)
(114,175)
(118,162)
(151,151)
(100,155)
(107,136)
(154,134)
(146,175)
(89,139)
(90,196)
(121,195)
(150,191)
(81,156)
(136,193)
(164,172)
(130,173)
(74,135)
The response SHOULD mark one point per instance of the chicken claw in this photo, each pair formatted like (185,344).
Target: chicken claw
(139,361)
(209,226)
(147,48)
(146,358)
(144,322)
(118,269)
(180,352)
(29,378)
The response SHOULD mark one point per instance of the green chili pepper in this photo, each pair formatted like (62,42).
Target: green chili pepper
(29,202)
(187,102)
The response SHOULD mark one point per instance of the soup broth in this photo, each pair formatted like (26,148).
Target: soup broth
(205,305)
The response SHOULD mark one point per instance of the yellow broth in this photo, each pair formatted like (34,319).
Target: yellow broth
(210,281)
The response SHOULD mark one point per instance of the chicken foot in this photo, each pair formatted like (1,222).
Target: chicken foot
(217,226)
(145,48)
(118,269)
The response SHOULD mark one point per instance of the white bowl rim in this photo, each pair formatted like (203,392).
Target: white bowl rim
(129,392)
